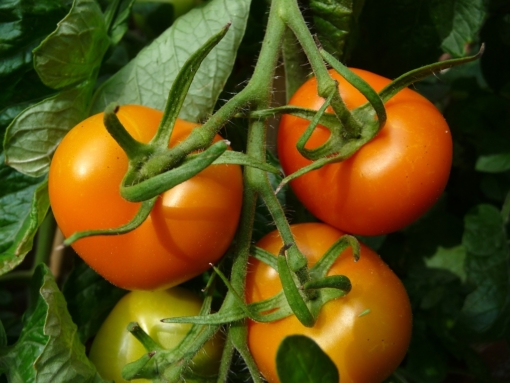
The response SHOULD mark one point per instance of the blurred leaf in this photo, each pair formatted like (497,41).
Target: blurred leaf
(395,36)
(334,21)
(458,23)
(495,163)
(486,310)
(449,259)
(496,59)
(426,360)
(300,359)
(117,16)
(23,25)
(146,80)
(90,299)
(71,55)
(48,349)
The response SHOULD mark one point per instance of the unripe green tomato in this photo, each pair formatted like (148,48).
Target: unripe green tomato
(114,346)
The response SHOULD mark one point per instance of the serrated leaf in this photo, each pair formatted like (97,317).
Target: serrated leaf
(495,163)
(334,21)
(48,349)
(449,259)
(35,133)
(89,299)
(300,359)
(146,80)
(24,203)
(458,23)
(487,309)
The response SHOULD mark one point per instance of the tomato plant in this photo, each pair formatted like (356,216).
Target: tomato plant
(389,182)
(114,346)
(366,332)
(190,226)
(230,68)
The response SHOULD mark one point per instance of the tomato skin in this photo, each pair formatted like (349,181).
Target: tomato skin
(190,226)
(391,181)
(366,333)
(114,346)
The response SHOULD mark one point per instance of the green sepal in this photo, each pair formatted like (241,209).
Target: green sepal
(419,74)
(160,183)
(296,301)
(148,343)
(340,282)
(180,87)
(264,256)
(321,268)
(138,219)
(141,368)
(335,139)
(360,84)
(131,147)
(238,158)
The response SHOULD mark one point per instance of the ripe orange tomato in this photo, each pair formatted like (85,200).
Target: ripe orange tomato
(391,181)
(366,333)
(190,226)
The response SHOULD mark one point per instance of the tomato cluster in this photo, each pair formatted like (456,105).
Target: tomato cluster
(386,185)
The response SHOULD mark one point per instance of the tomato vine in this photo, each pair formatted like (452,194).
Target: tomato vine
(140,250)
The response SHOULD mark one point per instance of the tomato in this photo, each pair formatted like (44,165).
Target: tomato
(366,333)
(190,226)
(114,346)
(391,181)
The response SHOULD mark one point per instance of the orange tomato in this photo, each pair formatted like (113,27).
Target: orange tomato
(391,181)
(190,226)
(366,333)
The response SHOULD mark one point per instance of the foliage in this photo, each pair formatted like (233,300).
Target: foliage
(61,62)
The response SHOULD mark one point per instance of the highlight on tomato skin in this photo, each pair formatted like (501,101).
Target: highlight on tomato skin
(191,225)
(114,346)
(366,333)
(391,181)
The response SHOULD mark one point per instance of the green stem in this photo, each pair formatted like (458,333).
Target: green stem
(295,63)
(45,238)
(290,13)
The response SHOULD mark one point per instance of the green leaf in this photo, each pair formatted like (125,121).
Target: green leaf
(487,309)
(90,298)
(457,22)
(494,163)
(300,359)
(24,203)
(146,80)
(23,25)
(48,349)
(117,16)
(36,132)
(69,56)
(450,259)
(335,21)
